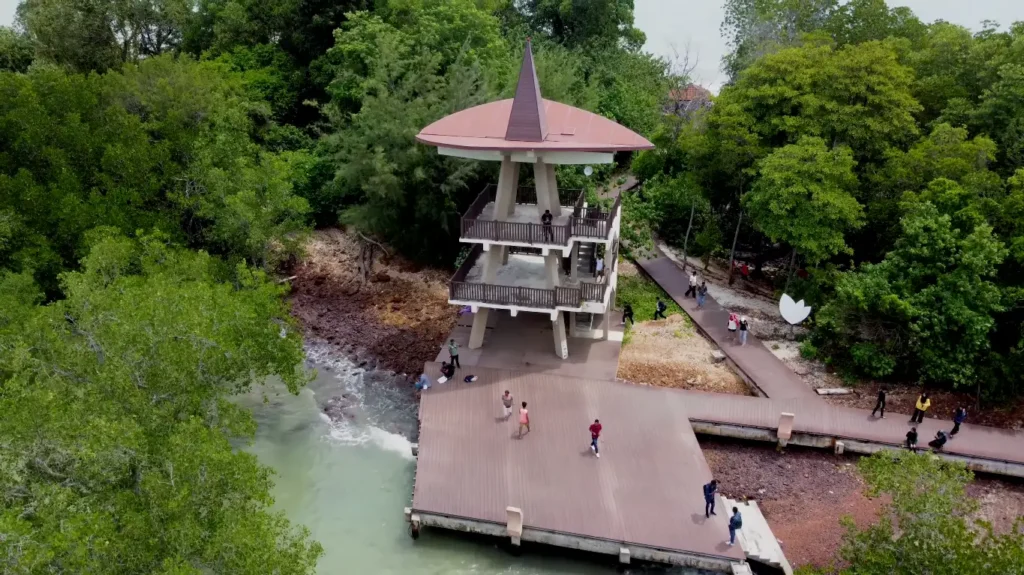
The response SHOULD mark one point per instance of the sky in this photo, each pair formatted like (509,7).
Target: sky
(681,27)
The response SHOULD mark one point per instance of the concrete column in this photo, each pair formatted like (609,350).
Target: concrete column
(511,207)
(606,323)
(574,260)
(540,177)
(551,268)
(561,344)
(553,190)
(572,325)
(494,258)
(476,334)
(508,177)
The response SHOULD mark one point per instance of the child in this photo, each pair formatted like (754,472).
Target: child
(734,323)
(506,403)
(524,420)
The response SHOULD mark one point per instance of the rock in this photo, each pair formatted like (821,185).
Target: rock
(381,277)
(801,369)
(717,356)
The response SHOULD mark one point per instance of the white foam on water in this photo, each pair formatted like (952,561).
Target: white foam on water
(347,433)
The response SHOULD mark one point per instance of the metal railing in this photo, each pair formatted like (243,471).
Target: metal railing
(561,296)
(583,222)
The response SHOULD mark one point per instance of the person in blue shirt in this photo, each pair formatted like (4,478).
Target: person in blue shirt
(735,523)
(709,498)
(423,382)
(959,416)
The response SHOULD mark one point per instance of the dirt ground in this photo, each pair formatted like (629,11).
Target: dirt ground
(670,353)
(397,320)
(805,492)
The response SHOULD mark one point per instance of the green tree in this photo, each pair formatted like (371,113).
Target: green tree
(927,308)
(117,456)
(15,50)
(927,527)
(579,23)
(803,197)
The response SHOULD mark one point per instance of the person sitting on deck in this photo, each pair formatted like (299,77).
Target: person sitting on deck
(423,382)
(939,441)
(545,219)
(447,370)
(912,439)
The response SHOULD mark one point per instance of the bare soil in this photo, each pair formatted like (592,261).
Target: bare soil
(397,320)
(670,353)
(805,492)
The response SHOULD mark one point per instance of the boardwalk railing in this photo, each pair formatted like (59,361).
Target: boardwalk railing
(582,222)
(561,296)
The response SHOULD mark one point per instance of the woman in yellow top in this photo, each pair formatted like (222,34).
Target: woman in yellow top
(923,403)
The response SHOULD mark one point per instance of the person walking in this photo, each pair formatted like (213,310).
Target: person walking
(627,314)
(959,416)
(524,420)
(709,497)
(702,294)
(692,290)
(880,403)
(659,309)
(545,219)
(733,325)
(922,405)
(453,353)
(600,269)
(744,327)
(912,439)
(595,434)
(506,404)
(735,524)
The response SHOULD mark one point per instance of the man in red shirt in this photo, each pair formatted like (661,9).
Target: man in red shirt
(595,433)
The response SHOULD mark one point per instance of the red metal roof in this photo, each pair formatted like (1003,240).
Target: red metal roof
(529,122)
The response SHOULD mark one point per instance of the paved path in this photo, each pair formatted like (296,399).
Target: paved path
(756,363)
(787,392)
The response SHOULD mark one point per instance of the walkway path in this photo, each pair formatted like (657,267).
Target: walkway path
(756,363)
(788,393)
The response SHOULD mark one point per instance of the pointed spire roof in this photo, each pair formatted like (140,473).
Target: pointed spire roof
(527,122)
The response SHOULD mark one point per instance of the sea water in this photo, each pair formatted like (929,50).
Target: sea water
(349,480)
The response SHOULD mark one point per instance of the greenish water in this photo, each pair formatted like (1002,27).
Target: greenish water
(349,480)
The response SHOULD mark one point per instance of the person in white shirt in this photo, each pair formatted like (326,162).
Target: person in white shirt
(600,268)
(692,290)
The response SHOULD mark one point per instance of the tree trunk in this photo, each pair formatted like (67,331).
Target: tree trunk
(686,240)
(732,252)
(789,276)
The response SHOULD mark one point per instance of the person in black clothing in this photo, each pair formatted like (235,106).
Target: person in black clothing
(880,404)
(627,314)
(939,441)
(912,439)
(545,219)
(709,498)
(447,369)
(659,309)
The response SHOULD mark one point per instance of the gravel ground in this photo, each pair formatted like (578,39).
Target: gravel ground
(803,493)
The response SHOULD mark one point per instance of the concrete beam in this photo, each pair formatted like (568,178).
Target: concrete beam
(486,155)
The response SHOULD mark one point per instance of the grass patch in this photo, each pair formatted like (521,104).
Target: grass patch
(642,293)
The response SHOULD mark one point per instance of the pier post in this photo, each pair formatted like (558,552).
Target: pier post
(514,526)
(623,555)
(785,431)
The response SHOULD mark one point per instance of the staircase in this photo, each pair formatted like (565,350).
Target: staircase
(756,538)
(585,260)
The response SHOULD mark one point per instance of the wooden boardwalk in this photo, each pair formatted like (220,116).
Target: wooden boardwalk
(786,392)
(756,362)
(645,490)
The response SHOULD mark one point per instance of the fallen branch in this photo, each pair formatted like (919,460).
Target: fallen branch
(386,252)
